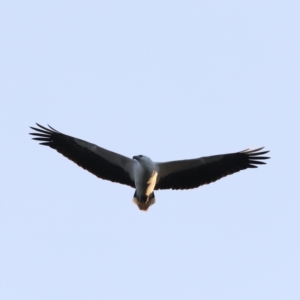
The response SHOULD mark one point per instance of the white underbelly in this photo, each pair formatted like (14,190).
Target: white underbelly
(145,184)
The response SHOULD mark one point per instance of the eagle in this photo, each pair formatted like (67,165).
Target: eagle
(143,174)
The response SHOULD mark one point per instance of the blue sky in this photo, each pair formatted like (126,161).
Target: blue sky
(171,80)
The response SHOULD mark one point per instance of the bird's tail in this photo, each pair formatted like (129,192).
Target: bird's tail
(143,202)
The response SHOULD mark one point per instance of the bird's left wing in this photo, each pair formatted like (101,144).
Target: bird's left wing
(188,174)
(103,163)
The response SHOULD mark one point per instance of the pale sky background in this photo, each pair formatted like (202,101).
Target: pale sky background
(170,80)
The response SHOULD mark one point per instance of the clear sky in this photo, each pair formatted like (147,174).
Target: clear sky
(170,80)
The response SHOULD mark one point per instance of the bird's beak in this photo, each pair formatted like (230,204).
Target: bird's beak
(134,158)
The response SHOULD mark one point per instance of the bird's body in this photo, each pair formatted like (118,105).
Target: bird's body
(141,172)
(145,174)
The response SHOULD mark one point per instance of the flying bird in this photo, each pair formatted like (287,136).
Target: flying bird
(143,174)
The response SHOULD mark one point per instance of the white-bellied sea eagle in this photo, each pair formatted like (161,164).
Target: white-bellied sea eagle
(140,172)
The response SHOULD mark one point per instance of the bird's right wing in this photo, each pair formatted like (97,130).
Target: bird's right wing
(99,161)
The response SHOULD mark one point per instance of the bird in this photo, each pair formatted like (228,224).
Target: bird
(143,174)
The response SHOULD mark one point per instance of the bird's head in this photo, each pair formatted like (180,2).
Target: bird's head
(142,159)
(138,157)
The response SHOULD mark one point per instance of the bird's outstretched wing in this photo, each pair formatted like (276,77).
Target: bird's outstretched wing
(188,174)
(101,162)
